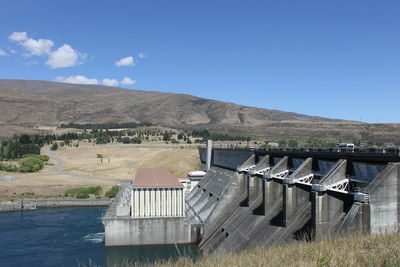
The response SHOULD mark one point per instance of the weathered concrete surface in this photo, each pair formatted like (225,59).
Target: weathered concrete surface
(122,231)
(384,200)
(289,210)
(229,189)
(356,221)
(227,159)
(329,208)
(28,204)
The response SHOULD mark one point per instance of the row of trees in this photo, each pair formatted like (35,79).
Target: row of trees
(312,142)
(18,146)
(205,134)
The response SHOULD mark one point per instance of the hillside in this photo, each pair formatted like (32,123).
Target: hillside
(25,104)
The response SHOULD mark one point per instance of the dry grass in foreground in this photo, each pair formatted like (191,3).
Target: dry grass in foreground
(341,251)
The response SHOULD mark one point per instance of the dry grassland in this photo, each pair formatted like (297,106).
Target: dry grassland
(84,168)
(340,251)
(120,161)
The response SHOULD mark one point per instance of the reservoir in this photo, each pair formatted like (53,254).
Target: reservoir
(71,237)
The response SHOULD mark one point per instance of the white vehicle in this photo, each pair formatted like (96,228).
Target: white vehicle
(196,174)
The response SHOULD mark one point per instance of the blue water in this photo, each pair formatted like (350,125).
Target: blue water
(70,237)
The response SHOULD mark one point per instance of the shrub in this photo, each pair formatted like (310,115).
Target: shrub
(112,192)
(31,164)
(8,167)
(82,195)
(84,192)
(54,146)
(43,158)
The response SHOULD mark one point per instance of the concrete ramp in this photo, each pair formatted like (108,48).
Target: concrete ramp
(236,228)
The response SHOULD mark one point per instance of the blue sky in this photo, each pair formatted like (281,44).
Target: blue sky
(337,59)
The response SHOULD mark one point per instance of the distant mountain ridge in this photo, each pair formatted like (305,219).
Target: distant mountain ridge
(94,103)
(26,103)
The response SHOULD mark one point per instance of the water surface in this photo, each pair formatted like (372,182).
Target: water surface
(70,237)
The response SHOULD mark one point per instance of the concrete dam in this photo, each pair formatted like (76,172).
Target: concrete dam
(273,196)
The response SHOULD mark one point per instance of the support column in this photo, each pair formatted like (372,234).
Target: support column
(183,203)
(328,206)
(178,202)
(158,201)
(209,154)
(142,199)
(319,211)
(173,202)
(289,200)
(132,207)
(146,203)
(152,202)
(169,203)
(163,203)
(136,210)
(273,193)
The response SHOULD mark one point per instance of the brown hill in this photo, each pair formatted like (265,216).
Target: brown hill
(25,103)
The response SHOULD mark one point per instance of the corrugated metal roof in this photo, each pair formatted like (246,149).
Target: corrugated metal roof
(155,178)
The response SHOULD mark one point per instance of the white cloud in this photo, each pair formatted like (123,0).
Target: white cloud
(126,61)
(127,81)
(38,47)
(78,79)
(18,36)
(142,55)
(110,82)
(2,53)
(65,56)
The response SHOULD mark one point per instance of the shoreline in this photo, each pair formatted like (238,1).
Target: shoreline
(32,204)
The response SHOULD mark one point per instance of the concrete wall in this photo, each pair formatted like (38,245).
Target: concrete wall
(384,200)
(230,159)
(126,231)
(232,193)
(157,202)
(28,204)
(357,220)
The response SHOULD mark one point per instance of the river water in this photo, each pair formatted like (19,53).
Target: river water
(70,237)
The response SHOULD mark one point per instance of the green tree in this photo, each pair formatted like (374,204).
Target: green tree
(166,137)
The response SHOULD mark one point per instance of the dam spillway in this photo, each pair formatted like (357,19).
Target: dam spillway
(280,196)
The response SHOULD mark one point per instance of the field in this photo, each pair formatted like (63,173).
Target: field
(340,251)
(81,166)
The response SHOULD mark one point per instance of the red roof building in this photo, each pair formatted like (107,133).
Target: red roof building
(155,178)
(157,193)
